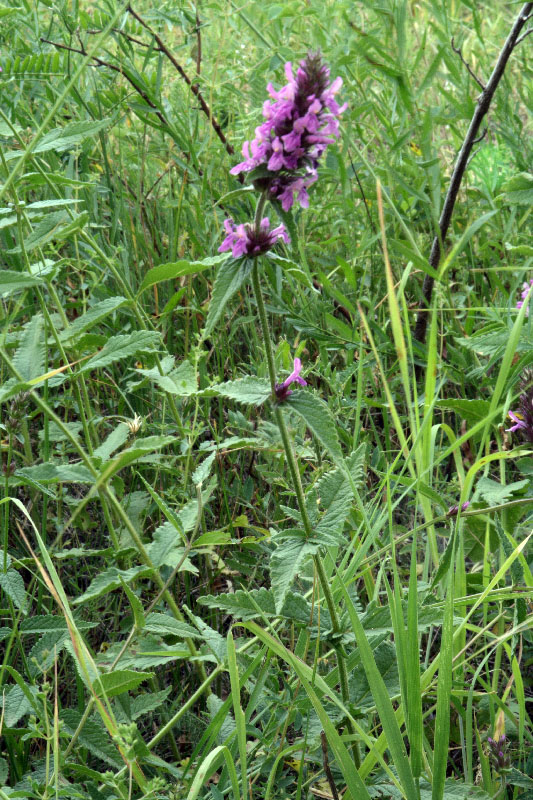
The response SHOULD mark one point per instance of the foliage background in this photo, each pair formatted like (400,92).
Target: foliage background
(134,463)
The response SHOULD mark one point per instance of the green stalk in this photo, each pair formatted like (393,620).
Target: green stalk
(297,482)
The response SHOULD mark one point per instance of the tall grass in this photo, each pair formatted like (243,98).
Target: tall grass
(206,593)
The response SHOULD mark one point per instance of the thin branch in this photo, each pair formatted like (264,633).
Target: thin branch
(101,63)
(327,770)
(481,136)
(126,35)
(198,44)
(529,30)
(482,107)
(467,65)
(193,87)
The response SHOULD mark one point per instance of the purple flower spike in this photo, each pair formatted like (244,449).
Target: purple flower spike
(525,289)
(282,389)
(245,240)
(300,121)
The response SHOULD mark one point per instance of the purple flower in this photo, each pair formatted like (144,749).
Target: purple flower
(525,289)
(497,752)
(454,510)
(245,240)
(300,121)
(282,389)
(523,416)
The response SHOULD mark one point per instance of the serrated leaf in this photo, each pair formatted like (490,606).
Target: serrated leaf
(140,448)
(213,639)
(518,190)
(70,135)
(201,473)
(471,410)
(119,681)
(29,358)
(111,579)
(123,346)
(319,420)
(15,704)
(56,226)
(229,279)
(165,625)
(92,736)
(56,473)
(285,563)
(144,703)
(12,281)
(248,390)
(182,381)
(495,493)
(112,442)
(167,549)
(167,272)
(12,583)
(46,623)
(95,314)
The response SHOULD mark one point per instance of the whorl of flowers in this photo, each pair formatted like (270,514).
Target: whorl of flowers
(300,121)
(282,389)
(498,753)
(523,416)
(525,289)
(247,240)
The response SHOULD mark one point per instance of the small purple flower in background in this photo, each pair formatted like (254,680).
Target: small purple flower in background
(454,510)
(300,121)
(525,289)
(282,389)
(245,240)
(498,755)
(523,416)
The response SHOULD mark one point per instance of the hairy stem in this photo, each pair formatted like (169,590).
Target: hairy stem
(297,484)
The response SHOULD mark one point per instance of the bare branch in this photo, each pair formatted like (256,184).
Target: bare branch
(529,30)
(101,63)
(482,107)
(193,87)
(467,65)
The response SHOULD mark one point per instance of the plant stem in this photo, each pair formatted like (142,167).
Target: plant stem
(297,482)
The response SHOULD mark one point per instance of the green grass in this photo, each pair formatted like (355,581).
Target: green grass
(197,582)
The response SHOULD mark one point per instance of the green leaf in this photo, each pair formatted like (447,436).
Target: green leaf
(56,226)
(122,346)
(46,623)
(70,135)
(12,583)
(112,442)
(145,703)
(140,448)
(29,358)
(165,625)
(167,549)
(111,684)
(11,281)
(202,471)
(518,190)
(56,473)
(471,410)
(496,493)
(319,420)
(285,564)
(167,272)
(229,279)
(111,579)
(95,314)
(15,704)
(249,390)
(92,735)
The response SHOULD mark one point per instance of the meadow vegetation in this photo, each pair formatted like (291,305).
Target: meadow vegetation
(259,540)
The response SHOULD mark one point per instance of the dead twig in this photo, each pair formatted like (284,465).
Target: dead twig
(101,63)
(467,65)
